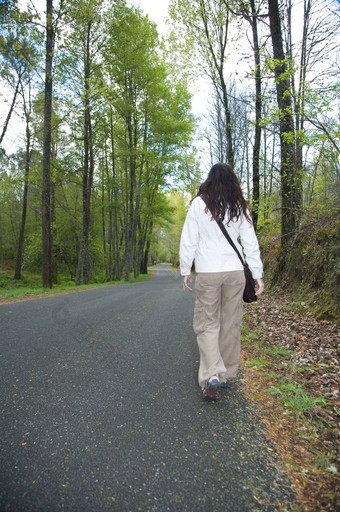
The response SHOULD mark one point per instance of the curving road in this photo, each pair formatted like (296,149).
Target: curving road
(100,410)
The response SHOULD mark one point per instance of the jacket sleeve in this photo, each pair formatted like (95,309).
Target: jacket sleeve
(251,248)
(189,240)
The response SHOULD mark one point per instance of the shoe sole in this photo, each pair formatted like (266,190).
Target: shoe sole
(210,398)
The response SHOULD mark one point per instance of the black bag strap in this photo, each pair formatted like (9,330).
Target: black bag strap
(228,237)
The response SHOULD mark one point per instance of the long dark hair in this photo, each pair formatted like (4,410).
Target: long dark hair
(223,194)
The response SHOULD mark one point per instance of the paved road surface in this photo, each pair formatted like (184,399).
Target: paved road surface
(100,410)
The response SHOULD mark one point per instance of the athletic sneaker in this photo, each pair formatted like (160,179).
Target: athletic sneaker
(210,395)
(223,383)
(213,383)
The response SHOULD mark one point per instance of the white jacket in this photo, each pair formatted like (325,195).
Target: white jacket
(203,240)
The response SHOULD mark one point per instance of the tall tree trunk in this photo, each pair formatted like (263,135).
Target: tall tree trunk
(250,14)
(55,248)
(103,212)
(258,112)
(229,132)
(4,129)
(46,182)
(18,265)
(130,232)
(289,182)
(111,198)
(114,220)
(299,95)
(144,265)
(271,174)
(217,69)
(265,177)
(141,226)
(83,269)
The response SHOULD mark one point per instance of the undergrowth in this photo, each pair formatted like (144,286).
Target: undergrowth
(311,268)
(30,285)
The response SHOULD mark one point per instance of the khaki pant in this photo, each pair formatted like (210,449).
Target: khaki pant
(217,323)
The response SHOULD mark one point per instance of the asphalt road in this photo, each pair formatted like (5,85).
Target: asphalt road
(101,411)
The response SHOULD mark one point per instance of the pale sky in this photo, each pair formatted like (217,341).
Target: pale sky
(157,11)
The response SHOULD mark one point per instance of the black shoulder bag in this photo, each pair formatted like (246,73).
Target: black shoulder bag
(249,289)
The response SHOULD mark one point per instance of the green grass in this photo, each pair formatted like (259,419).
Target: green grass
(30,285)
(248,336)
(278,352)
(293,397)
(258,362)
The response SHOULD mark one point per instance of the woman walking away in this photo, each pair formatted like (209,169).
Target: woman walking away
(220,276)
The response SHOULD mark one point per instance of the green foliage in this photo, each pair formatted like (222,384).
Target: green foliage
(32,258)
(20,43)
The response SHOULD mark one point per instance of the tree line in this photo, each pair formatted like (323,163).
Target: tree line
(103,179)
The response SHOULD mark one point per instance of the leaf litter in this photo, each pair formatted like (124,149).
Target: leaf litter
(292,373)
